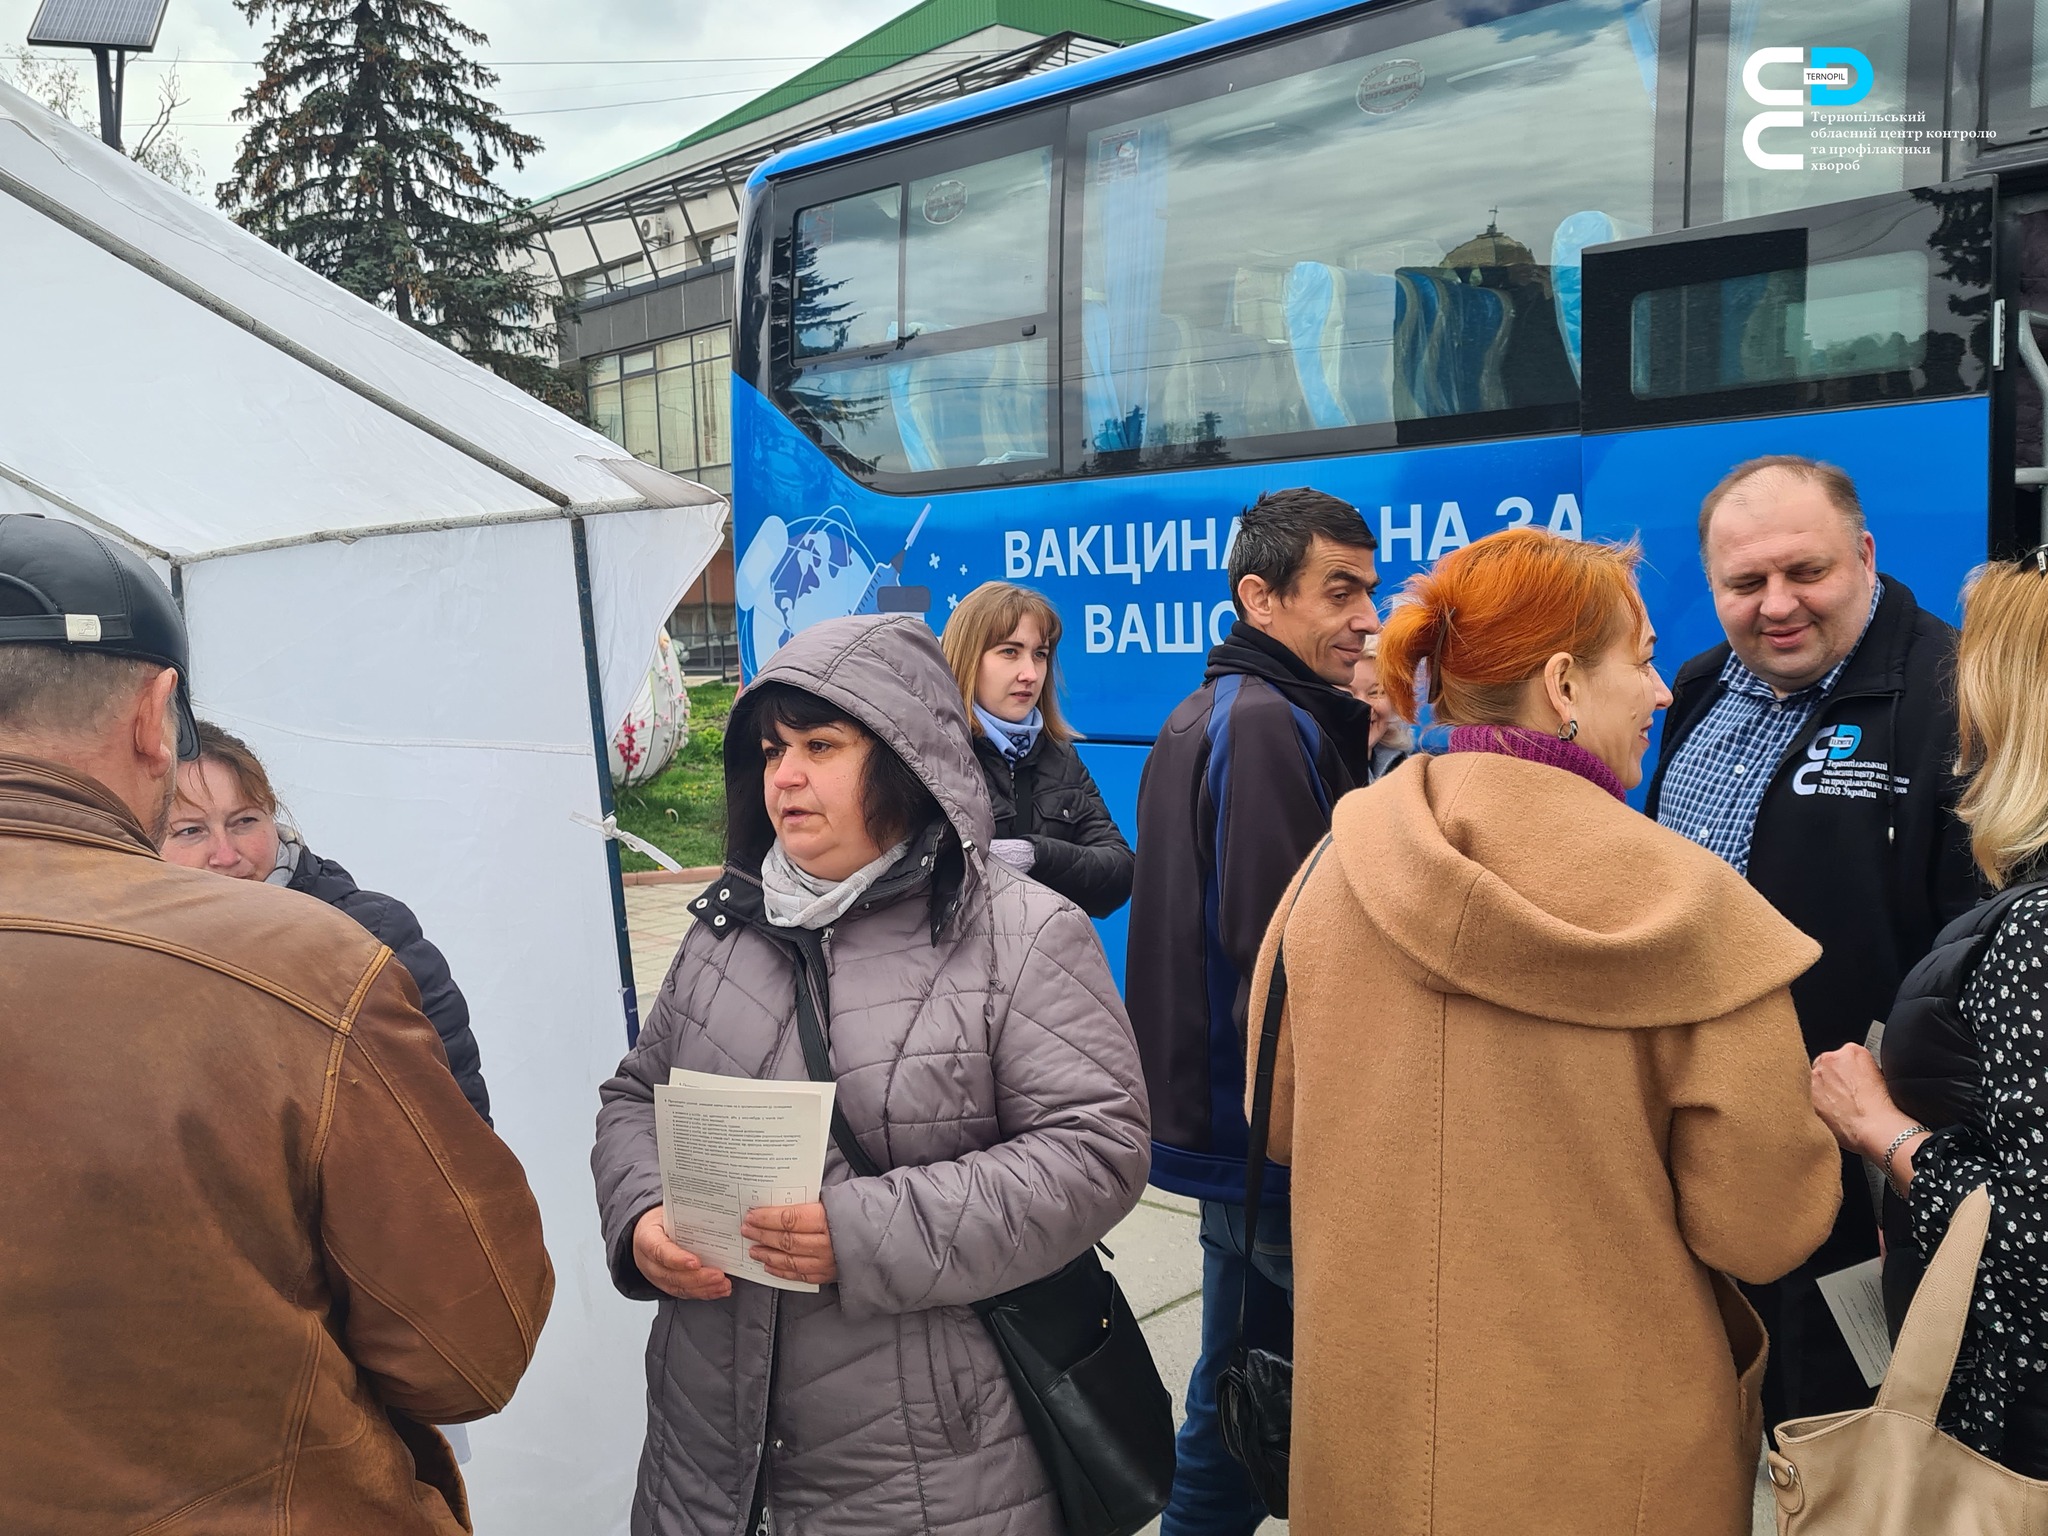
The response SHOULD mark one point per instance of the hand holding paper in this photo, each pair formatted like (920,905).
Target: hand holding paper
(732,1145)
(792,1241)
(673,1269)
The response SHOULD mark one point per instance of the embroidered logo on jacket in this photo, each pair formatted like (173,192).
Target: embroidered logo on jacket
(1833,768)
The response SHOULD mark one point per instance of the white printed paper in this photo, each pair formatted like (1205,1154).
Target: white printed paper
(729,1145)
(1856,1296)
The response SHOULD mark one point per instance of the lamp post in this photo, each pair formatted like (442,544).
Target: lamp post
(111,30)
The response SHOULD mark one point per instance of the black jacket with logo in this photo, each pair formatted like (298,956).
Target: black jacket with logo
(1857,844)
(1050,798)
(1856,840)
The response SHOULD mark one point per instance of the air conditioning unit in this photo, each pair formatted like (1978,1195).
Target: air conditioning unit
(657,231)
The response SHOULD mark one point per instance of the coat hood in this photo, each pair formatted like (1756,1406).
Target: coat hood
(1533,889)
(887,672)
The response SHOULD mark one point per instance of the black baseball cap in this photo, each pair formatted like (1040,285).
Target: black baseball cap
(64,585)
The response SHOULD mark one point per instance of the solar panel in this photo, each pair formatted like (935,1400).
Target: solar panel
(128,24)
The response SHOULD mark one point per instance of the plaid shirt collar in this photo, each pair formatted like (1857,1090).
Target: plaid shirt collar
(1737,678)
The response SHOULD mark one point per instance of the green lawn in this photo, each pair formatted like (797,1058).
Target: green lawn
(682,812)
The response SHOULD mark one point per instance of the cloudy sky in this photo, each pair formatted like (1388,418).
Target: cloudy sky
(600,82)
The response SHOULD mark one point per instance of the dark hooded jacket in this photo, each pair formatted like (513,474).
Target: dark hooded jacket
(391,920)
(1050,798)
(983,1061)
(1237,791)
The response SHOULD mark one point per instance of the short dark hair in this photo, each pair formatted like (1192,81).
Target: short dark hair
(54,690)
(1274,533)
(1834,483)
(894,799)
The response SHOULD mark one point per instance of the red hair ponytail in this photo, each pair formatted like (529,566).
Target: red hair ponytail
(1484,619)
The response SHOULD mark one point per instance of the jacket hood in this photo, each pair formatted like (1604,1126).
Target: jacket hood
(887,672)
(1533,889)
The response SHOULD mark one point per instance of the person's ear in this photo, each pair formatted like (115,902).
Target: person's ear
(1255,597)
(1866,550)
(1561,687)
(154,725)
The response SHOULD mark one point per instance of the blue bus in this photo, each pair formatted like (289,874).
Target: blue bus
(1469,264)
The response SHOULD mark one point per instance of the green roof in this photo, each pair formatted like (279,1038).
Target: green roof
(926,28)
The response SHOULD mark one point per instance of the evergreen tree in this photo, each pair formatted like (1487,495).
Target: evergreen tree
(369,157)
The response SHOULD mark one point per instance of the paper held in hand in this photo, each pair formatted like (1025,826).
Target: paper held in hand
(728,1145)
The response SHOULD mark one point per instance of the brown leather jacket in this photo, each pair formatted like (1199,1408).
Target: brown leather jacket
(252,1239)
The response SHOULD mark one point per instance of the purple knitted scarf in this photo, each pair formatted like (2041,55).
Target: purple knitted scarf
(1537,747)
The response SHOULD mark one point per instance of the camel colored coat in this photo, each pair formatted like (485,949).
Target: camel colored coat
(1539,1078)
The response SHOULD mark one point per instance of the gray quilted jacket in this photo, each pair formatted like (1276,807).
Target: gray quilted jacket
(984,1061)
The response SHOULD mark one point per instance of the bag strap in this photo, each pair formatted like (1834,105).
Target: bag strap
(1262,1081)
(810,1033)
(1925,1356)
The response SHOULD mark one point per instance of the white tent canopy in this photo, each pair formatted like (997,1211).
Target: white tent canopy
(405,580)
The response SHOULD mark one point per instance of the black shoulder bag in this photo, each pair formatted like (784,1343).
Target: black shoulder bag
(1255,1394)
(1085,1382)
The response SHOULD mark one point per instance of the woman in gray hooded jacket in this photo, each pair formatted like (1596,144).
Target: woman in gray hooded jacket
(984,1063)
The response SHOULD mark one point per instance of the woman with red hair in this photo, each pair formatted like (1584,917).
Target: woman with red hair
(1542,1089)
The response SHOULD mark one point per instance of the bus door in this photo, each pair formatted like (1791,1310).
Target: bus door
(2019,460)
(1860,333)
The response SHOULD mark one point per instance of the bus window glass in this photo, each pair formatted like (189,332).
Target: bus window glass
(976,244)
(1858,318)
(2016,79)
(1387,238)
(946,410)
(1837,158)
(846,273)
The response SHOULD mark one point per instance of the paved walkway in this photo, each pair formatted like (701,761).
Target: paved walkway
(1158,1258)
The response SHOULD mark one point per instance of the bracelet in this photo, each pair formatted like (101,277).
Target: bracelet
(1899,1141)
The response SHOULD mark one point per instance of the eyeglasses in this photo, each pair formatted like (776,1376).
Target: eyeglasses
(2037,557)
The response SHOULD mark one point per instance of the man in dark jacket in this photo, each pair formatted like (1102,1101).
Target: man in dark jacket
(1814,753)
(1236,793)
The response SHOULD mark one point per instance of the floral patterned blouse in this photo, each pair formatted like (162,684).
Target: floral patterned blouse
(2002,1144)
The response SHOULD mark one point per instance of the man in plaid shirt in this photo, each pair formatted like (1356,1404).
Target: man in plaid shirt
(1814,753)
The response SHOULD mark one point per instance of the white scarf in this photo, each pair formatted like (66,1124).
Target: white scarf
(795,899)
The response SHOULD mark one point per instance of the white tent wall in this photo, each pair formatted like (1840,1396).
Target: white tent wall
(422,696)
(422,704)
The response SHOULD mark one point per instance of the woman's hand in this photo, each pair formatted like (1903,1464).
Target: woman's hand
(671,1268)
(792,1242)
(1850,1095)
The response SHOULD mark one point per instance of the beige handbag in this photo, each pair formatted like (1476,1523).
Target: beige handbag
(1886,1470)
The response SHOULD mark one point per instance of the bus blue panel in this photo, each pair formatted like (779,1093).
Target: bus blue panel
(1135,564)
(1118,64)
(1116,770)
(1922,471)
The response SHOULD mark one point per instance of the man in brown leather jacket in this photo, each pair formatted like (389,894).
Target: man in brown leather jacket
(253,1241)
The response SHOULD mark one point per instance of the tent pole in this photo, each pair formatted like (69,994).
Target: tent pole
(601,741)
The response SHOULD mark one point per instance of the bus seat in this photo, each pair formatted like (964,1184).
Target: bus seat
(1340,327)
(1574,234)
(948,407)
(1449,345)
(1256,303)
(1012,407)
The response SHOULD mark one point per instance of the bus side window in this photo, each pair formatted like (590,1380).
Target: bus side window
(1300,246)
(921,328)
